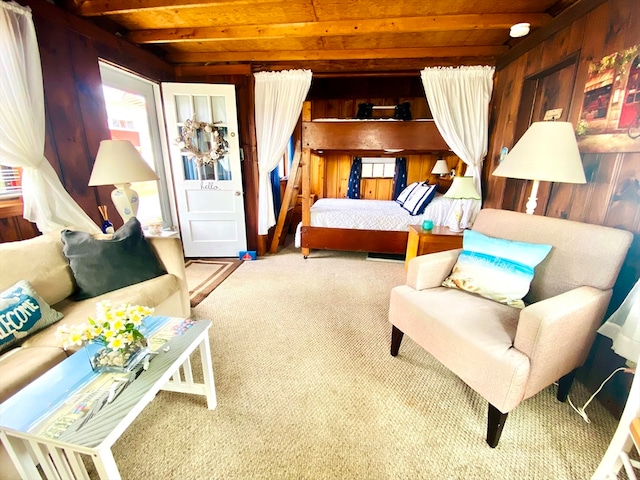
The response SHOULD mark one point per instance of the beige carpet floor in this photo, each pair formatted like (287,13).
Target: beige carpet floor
(307,390)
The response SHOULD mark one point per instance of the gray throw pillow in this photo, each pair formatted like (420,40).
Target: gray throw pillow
(103,265)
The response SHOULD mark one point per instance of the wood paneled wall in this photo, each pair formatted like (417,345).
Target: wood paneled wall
(553,74)
(330,171)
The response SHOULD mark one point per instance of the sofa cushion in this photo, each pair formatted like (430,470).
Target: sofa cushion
(101,265)
(40,261)
(151,293)
(495,268)
(21,366)
(22,313)
(471,335)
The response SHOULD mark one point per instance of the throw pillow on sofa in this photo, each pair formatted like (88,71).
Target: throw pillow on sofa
(496,268)
(101,265)
(23,312)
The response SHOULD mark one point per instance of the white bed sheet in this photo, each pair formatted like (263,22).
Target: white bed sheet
(387,214)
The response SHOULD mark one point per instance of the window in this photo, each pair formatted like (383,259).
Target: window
(132,115)
(378,167)
(10,182)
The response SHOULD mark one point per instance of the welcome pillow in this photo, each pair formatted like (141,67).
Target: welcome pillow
(23,312)
(495,268)
(102,265)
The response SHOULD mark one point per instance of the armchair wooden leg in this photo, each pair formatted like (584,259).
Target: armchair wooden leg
(495,423)
(564,385)
(396,339)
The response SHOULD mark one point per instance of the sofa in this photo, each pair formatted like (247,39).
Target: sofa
(42,262)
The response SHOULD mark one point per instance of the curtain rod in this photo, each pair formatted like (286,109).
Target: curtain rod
(16,8)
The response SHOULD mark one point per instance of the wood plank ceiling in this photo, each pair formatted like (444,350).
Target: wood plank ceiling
(323,35)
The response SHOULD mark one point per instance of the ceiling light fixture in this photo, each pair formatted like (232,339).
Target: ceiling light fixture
(519,30)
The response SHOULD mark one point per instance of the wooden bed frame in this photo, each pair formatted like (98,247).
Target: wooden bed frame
(365,137)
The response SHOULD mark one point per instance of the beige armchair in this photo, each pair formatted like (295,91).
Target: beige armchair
(507,354)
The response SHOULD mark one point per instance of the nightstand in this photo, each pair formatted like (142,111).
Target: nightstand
(438,239)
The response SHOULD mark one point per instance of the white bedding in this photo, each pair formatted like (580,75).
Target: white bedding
(387,214)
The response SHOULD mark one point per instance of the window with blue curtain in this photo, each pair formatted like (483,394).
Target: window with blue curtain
(353,189)
(400,177)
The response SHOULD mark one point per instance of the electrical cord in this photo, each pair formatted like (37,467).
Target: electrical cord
(581,411)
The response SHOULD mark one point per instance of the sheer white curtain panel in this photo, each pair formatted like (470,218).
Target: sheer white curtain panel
(22,126)
(623,326)
(278,97)
(459,99)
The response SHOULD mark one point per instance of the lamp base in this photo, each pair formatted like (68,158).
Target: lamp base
(532,201)
(457,213)
(125,199)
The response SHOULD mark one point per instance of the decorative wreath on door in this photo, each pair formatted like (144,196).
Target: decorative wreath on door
(190,132)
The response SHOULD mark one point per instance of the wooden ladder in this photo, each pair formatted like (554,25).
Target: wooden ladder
(288,202)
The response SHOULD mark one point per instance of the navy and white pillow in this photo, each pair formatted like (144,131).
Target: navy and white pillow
(404,194)
(419,198)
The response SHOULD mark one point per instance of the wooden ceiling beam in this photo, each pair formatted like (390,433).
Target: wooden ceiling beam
(354,54)
(95,8)
(378,67)
(339,28)
(196,70)
(350,68)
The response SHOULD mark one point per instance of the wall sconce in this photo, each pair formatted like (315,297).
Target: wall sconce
(440,168)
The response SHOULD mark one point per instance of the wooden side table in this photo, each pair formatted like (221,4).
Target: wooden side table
(421,241)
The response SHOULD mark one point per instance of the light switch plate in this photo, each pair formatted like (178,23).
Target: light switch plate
(554,114)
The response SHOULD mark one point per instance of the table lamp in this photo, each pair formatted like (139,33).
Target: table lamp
(461,188)
(440,168)
(119,163)
(548,151)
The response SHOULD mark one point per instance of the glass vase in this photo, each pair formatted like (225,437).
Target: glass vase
(119,360)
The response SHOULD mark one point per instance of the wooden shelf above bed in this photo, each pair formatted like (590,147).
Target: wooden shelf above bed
(370,136)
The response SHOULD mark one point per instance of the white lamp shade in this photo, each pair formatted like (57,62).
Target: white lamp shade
(462,187)
(440,168)
(548,151)
(118,162)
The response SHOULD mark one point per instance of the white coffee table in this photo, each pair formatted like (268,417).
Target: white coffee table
(43,425)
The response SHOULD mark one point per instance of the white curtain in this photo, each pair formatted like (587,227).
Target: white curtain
(459,101)
(623,326)
(22,126)
(279,97)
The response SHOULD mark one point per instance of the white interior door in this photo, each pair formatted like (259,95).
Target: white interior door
(209,195)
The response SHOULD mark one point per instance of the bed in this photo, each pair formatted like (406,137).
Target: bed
(379,226)
(366,225)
